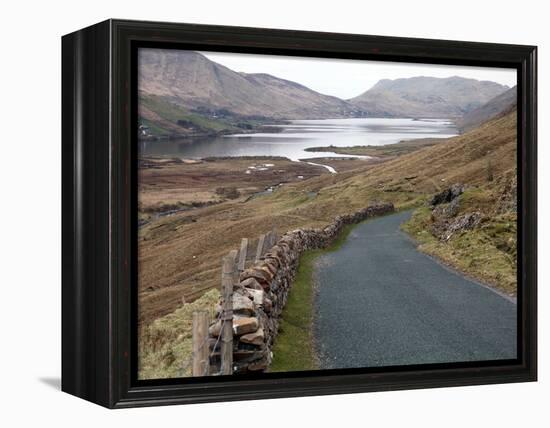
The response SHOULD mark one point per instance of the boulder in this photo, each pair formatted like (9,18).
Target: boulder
(251,283)
(255,338)
(446,210)
(263,276)
(242,304)
(244,325)
(271,264)
(447,195)
(257,296)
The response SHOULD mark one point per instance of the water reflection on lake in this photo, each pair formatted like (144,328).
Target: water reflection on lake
(301,134)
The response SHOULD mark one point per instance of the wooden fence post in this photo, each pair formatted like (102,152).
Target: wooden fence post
(260,249)
(228,277)
(273,236)
(242,254)
(201,321)
(267,243)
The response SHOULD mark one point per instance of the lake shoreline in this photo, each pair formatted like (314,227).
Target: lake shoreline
(297,139)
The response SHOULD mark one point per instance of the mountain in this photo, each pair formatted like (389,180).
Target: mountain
(427,97)
(191,81)
(500,105)
(183,93)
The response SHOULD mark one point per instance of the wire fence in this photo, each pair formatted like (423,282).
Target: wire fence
(187,363)
(232,265)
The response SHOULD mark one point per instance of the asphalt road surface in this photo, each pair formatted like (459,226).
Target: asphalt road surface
(380,302)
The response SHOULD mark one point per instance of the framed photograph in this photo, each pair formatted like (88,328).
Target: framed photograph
(252,213)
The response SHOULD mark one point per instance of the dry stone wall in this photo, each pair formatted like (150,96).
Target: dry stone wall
(261,292)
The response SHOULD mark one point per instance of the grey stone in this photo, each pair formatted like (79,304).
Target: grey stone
(255,338)
(242,304)
(245,325)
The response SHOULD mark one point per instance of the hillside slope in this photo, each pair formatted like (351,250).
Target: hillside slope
(192,81)
(428,97)
(501,104)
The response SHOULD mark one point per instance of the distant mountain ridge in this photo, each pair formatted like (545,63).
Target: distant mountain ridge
(426,97)
(183,93)
(191,80)
(498,106)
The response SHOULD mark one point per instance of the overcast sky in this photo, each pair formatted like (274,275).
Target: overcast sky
(349,78)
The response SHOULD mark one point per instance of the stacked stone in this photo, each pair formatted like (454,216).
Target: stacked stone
(261,293)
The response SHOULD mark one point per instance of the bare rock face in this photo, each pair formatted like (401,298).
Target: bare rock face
(447,195)
(445,229)
(445,208)
(508,201)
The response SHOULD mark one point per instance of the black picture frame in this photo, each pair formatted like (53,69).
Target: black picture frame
(99,297)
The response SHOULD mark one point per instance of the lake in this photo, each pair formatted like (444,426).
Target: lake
(298,135)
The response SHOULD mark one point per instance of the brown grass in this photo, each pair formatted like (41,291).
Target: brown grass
(166,183)
(165,346)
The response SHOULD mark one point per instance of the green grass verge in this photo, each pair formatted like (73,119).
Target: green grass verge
(293,349)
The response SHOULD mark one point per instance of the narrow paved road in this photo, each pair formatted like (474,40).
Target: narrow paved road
(380,302)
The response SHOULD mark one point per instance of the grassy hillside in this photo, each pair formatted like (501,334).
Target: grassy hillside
(196,82)
(165,346)
(162,117)
(498,106)
(488,251)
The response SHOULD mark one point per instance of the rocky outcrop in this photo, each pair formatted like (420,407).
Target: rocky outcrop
(447,195)
(445,208)
(261,292)
(508,199)
(444,229)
